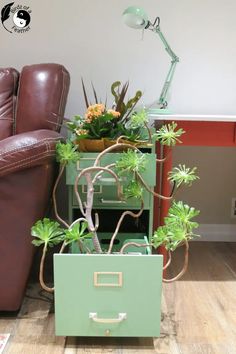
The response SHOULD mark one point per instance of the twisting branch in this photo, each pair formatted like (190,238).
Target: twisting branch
(88,212)
(111,148)
(161,160)
(135,143)
(79,241)
(63,246)
(164,158)
(147,142)
(127,212)
(149,133)
(97,176)
(168,262)
(96,221)
(101,170)
(133,244)
(121,137)
(185,266)
(77,221)
(41,271)
(90,190)
(62,168)
(154,193)
(79,199)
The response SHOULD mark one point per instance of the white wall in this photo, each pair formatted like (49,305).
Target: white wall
(89,38)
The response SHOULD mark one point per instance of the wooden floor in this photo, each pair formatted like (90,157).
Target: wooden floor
(198,314)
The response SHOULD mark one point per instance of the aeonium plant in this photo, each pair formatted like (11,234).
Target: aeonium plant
(178,228)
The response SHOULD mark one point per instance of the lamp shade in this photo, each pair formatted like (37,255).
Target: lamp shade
(135,17)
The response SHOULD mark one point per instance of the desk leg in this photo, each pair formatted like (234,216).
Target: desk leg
(166,186)
(157,201)
(165,190)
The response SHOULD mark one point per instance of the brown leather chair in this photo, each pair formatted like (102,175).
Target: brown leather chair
(32,105)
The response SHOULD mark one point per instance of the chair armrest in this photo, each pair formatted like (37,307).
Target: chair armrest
(27,150)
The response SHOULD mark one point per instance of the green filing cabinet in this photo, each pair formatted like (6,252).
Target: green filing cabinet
(108,295)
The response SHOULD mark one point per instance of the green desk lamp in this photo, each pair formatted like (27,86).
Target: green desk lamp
(136,17)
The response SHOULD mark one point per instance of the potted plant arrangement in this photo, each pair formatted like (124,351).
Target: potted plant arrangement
(102,126)
(102,291)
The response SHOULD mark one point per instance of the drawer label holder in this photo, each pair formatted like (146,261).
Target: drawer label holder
(97,279)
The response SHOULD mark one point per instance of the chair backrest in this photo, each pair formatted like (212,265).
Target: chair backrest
(41,97)
(8,88)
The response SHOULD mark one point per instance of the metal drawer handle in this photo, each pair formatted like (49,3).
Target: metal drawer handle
(107,201)
(121,317)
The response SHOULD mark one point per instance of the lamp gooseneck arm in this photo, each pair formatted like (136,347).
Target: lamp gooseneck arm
(174,60)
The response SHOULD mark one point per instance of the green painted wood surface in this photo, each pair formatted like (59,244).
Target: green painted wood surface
(87,159)
(139,296)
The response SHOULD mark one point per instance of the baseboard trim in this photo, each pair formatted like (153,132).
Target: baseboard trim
(217,232)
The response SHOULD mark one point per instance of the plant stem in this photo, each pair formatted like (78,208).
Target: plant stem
(90,191)
(149,133)
(185,266)
(133,244)
(76,221)
(41,271)
(88,213)
(62,167)
(127,212)
(97,176)
(113,147)
(93,169)
(164,158)
(154,193)
(168,262)
(78,196)
(63,246)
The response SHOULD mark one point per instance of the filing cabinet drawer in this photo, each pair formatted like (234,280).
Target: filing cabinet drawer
(108,295)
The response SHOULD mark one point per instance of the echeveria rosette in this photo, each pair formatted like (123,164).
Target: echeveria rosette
(182,175)
(131,161)
(178,227)
(133,190)
(77,233)
(168,135)
(182,214)
(47,232)
(66,152)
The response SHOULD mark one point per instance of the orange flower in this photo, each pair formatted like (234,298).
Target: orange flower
(114,113)
(81,131)
(95,110)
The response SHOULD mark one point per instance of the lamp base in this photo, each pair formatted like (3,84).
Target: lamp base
(158,111)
